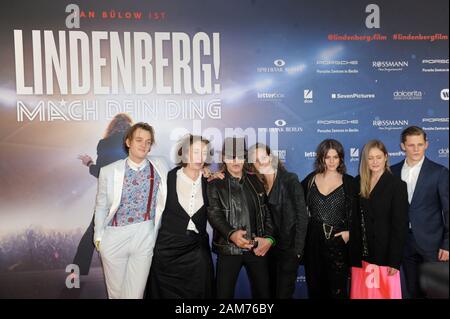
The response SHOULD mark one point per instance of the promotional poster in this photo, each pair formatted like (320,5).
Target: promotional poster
(287,73)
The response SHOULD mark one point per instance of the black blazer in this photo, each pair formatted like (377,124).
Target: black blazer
(288,209)
(385,220)
(428,211)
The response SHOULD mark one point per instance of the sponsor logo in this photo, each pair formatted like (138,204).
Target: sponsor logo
(279,63)
(308,96)
(390,66)
(337,62)
(435,65)
(396,154)
(444,94)
(408,95)
(351,96)
(435,120)
(280,123)
(279,66)
(354,154)
(310,155)
(337,66)
(435,61)
(390,124)
(281,127)
(337,122)
(270,96)
(443,152)
(339,128)
(281,154)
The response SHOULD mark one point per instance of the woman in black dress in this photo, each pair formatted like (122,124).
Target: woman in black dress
(332,202)
(182,264)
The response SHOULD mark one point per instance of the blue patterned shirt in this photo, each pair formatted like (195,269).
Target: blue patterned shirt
(135,192)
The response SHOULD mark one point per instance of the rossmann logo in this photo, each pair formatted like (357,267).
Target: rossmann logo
(390,64)
(392,123)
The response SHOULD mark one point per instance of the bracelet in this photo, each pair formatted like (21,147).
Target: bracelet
(89,163)
(270,240)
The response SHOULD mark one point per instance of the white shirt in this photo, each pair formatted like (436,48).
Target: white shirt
(190,195)
(135,166)
(410,174)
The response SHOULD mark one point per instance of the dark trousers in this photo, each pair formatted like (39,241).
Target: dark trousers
(228,268)
(85,250)
(283,267)
(326,265)
(412,259)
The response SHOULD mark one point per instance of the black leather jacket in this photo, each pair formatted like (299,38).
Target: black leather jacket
(289,214)
(226,213)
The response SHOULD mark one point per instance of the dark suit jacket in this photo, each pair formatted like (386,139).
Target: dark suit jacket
(428,211)
(386,220)
(288,209)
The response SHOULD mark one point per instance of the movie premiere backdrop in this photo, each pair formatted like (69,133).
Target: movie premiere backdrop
(288,71)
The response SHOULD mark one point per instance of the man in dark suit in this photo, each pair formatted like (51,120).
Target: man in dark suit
(427,184)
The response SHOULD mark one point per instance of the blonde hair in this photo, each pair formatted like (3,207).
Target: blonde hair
(364,171)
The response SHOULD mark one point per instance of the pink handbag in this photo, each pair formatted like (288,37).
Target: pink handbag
(372,282)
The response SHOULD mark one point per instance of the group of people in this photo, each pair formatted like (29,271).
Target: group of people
(150,224)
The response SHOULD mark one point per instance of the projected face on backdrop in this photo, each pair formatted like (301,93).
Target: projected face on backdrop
(139,145)
(414,147)
(376,160)
(332,160)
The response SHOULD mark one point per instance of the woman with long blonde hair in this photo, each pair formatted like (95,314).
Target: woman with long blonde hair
(383,214)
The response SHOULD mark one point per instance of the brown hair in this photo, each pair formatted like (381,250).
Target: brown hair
(130,132)
(121,122)
(322,151)
(413,130)
(364,171)
(184,145)
(276,163)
